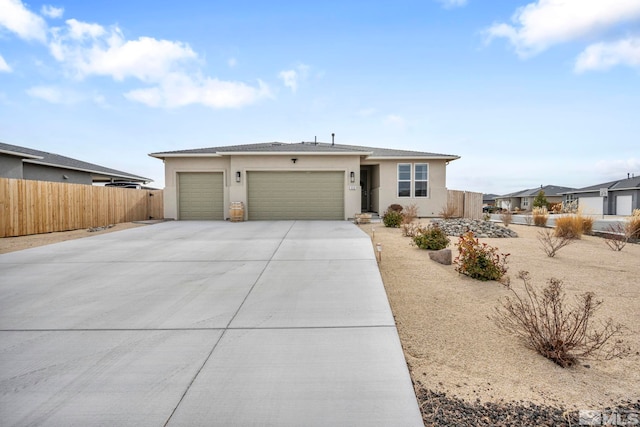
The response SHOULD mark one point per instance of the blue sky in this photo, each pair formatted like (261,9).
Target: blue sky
(528,93)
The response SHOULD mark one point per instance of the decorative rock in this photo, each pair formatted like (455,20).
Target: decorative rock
(484,229)
(443,256)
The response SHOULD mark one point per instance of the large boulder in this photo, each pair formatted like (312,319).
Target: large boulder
(443,256)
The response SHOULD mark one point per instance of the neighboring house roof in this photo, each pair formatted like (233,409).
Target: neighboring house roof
(632,183)
(489,197)
(549,190)
(304,148)
(99,173)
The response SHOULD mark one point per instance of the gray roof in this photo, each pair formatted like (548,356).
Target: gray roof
(306,147)
(549,190)
(620,184)
(30,155)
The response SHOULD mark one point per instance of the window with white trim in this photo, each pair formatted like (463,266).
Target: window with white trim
(404,179)
(421,179)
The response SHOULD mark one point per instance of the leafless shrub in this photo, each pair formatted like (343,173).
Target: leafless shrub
(448,211)
(559,332)
(528,219)
(409,213)
(506,217)
(618,234)
(552,243)
(412,230)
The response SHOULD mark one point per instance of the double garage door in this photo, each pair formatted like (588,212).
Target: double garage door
(270,195)
(295,195)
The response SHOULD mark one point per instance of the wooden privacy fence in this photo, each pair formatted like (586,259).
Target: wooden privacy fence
(466,204)
(33,207)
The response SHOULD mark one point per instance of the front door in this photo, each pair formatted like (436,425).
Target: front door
(364,190)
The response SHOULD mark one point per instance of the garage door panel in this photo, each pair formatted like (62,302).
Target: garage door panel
(295,195)
(591,205)
(624,205)
(200,196)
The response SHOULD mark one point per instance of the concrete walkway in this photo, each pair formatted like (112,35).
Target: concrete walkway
(202,324)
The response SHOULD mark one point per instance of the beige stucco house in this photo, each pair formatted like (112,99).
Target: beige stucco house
(308,180)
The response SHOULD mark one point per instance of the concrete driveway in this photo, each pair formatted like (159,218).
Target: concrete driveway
(202,323)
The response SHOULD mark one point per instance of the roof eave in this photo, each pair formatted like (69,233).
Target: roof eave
(91,171)
(20,154)
(165,155)
(450,158)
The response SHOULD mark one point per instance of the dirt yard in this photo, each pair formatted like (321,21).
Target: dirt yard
(452,346)
(11,244)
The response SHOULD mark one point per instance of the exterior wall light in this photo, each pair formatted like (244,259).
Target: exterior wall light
(238,174)
(352,176)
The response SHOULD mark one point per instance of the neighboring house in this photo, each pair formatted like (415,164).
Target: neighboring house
(489,199)
(308,180)
(523,200)
(25,163)
(618,197)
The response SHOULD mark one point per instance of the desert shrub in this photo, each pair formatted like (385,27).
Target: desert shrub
(587,224)
(448,211)
(616,236)
(506,217)
(632,226)
(540,201)
(392,218)
(486,217)
(411,230)
(560,332)
(569,227)
(552,243)
(528,219)
(395,207)
(409,213)
(540,216)
(569,207)
(479,260)
(432,238)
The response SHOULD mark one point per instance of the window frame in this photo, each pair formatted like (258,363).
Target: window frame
(398,180)
(416,180)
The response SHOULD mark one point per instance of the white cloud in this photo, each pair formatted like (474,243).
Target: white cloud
(89,49)
(292,78)
(178,90)
(16,18)
(544,23)
(4,67)
(450,4)
(603,56)
(52,11)
(53,94)
(395,120)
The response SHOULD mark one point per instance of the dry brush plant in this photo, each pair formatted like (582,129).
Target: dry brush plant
(540,216)
(448,211)
(409,213)
(552,243)
(619,234)
(506,217)
(560,332)
(431,238)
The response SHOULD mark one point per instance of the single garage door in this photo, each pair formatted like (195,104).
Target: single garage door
(295,195)
(623,205)
(591,205)
(200,195)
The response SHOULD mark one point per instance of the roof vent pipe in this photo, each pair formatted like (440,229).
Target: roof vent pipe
(333,135)
(315,140)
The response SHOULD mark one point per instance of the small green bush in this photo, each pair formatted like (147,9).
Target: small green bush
(432,238)
(479,260)
(392,218)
